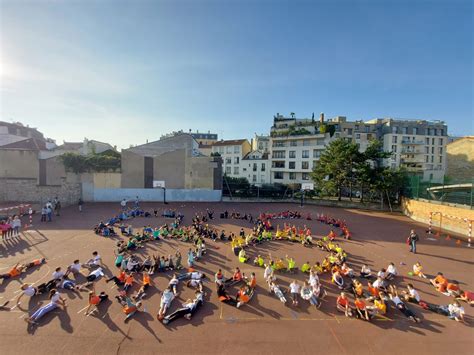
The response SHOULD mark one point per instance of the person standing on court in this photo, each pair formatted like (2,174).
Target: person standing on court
(412,240)
(123,203)
(79,204)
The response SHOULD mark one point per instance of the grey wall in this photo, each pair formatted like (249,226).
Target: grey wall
(116,195)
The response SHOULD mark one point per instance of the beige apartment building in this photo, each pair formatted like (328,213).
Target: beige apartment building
(460,159)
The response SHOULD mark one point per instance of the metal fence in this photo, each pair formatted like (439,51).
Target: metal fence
(452,191)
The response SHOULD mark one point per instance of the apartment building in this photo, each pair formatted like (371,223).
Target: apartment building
(232,153)
(297,143)
(205,140)
(419,146)
(261,143)
(255,166)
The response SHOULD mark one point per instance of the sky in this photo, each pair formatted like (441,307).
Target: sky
(125,72)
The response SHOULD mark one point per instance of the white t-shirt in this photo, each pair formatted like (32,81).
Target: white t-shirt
(75,267)
(267,272)
(58,275)
(167,297)
(97,273)
(294,287)
(123,203)
(96,259)
(392,270)
(196,275)
(16,222)
(173,282)
(456,311)
(55,298)
(381,274)
(29,291)
(397,300)
(313,279)
(414,293)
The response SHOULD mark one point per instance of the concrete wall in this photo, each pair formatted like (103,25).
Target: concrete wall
(170,167)
(107,180)
(28,190)
(116,195)
(133,175)
(199,173)
(419,210)
(18,163)
(55,171)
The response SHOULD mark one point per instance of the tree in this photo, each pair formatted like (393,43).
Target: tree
(336,167)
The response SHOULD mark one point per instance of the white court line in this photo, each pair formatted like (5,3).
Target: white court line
(83,309)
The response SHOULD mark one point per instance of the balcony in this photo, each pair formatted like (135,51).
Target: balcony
(412,142)
(411,160)
(410,151)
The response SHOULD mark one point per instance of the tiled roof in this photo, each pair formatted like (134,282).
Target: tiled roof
(230,142)
(27,144)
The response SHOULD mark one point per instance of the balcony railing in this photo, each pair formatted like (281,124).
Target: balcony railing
(409,141)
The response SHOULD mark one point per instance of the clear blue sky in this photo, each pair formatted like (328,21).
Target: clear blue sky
(127,71)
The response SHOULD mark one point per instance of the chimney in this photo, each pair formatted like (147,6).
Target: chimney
(321,117)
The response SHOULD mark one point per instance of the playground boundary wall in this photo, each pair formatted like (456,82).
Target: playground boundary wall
(419,210)
(92,194)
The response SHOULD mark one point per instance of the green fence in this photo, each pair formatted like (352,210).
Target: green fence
(449,190)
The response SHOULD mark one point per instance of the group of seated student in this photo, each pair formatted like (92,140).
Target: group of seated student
(245,292)
(237,215)
(280,215)
(20,268)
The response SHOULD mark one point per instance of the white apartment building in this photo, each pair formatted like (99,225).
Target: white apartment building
(255,166)
(232,153)
(418,146)
(296,144)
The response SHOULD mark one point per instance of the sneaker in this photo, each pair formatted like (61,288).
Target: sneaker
(239,304)
(165,321)
(188,316)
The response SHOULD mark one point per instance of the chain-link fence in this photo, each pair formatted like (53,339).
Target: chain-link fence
(455,191)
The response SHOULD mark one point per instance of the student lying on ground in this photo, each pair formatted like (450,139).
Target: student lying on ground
(188,309)
(224,297)
(277,291)
(128,306)
(467,296)
(393,294)
(55,301)
(166,299)
(18,269)
(95,300)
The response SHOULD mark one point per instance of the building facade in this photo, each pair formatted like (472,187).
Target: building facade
(232,153)
(255,167)
(460,160)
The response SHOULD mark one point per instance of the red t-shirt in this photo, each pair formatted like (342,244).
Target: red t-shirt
(342,301)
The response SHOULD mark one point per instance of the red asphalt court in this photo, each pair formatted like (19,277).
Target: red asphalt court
(265,325)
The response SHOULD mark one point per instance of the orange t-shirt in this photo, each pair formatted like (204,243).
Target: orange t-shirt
(342,301)
(440,279)
(253,283)
(237,276)
(14,272)
(146,279)
(122,276)
(243,297)
(359,289)
(129,280)
(94,299)
(360,304)
(128,310)
(452,287)
(373,291)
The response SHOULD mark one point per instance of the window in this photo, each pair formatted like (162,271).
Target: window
(440,159)
(279,154)
(263,167)
(369,136)
(278,175)
(415,130)
(349,131)
(278,164)
(435,132)
(305,154)
(316,153)
(356,127)
(221,150)
(357,135)
(440,150)
(254,167)
(292,154)
(293,143)
(427,160)
(367,129)
(432,150)
(279,144)
(441,132)
(254,178)
(427,141)
(432,158)
(236,149)
(236,160)
(405,130)
(320,141)
(291,165)
(440,141)
(394,148)
(244,169)
(337,135)
(394,139)
(227,170)
(236,170)
(315,162)
(292,176)
(228,149)
(432,141)
(394,130)
(306,142)
(305,176)
(228,160)
(427,150)
(262,179)
(304,165)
